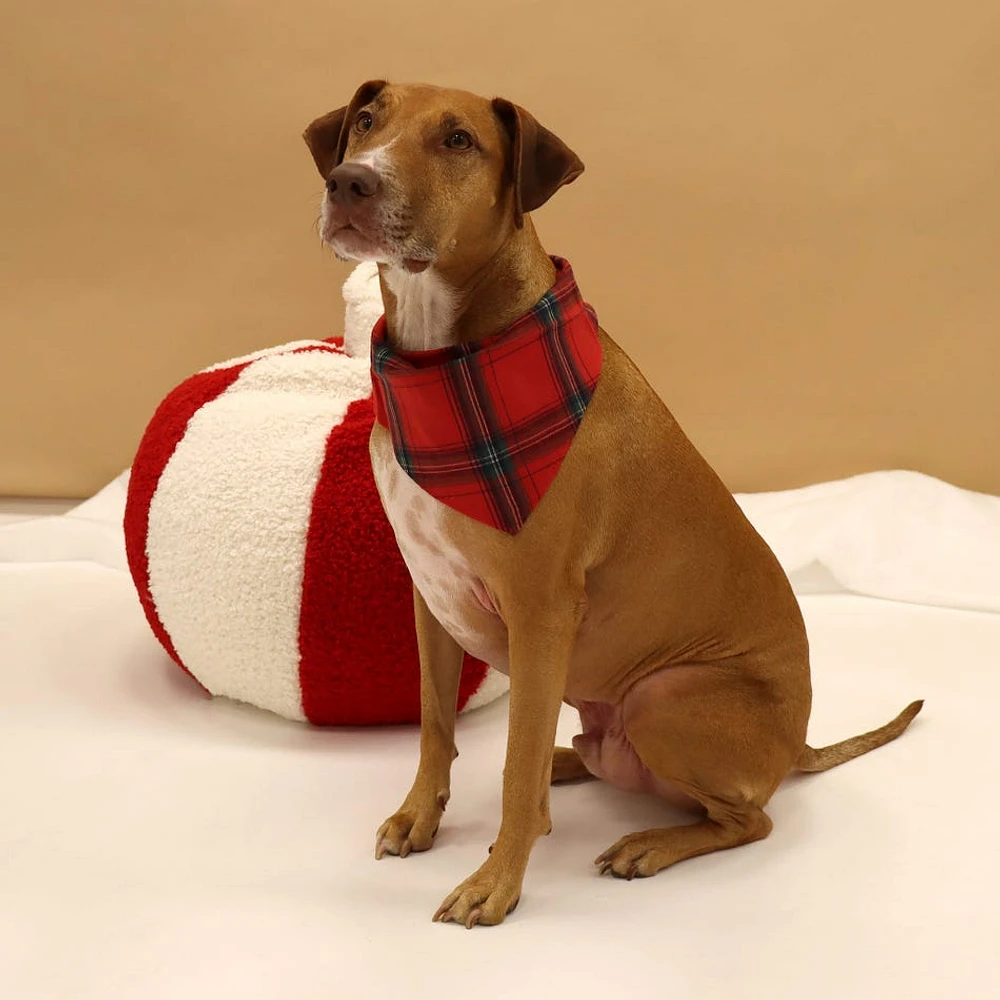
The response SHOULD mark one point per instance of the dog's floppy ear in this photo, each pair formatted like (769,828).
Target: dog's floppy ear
(327,136)
(541,162)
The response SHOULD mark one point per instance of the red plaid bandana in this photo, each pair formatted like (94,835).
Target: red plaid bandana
(484,427)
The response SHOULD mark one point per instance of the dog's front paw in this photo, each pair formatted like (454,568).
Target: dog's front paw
(485,897)
(413,828)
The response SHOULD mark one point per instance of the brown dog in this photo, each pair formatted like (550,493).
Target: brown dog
(636,590)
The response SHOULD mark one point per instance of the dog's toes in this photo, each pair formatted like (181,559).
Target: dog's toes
(630,858)
(603,859)
(406,832)
(485,898)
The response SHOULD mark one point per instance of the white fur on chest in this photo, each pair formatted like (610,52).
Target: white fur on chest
(425,309)
(439,570)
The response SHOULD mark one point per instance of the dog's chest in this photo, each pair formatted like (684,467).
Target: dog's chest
(440,571)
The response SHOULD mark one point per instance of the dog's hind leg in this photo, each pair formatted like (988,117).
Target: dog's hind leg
(567,766)
(717,735)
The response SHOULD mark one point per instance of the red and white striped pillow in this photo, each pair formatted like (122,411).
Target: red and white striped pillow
(260,550)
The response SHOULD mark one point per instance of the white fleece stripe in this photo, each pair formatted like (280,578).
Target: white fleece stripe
(494,684)
(228,525)
(362,308)
(270,352)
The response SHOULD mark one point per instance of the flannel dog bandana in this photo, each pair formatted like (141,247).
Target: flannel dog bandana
(484,426)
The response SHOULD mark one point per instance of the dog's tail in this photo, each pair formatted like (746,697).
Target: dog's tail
(826,757)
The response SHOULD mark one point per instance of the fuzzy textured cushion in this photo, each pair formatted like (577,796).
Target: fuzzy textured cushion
(258,545)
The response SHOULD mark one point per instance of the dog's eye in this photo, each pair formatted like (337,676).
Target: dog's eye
(363,122)
(459,140)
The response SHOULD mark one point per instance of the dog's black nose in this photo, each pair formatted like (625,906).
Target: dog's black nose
(352,182)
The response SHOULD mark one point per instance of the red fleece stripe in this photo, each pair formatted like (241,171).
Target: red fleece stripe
(324,347)
(357,640)
(158,443)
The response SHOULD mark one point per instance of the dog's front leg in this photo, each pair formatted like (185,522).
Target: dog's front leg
(415,825)
(540,644)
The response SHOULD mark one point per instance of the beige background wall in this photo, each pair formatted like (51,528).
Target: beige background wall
(791,213)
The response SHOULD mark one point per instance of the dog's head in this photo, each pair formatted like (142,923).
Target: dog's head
(417,174)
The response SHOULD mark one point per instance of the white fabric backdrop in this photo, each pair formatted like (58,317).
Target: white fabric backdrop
(156,844)
(897,535)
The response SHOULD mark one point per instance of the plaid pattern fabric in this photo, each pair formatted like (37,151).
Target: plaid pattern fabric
(484,427)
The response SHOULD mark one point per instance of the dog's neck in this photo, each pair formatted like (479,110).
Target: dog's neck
(454,304)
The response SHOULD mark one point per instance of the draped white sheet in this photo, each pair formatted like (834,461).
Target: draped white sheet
(156,844)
